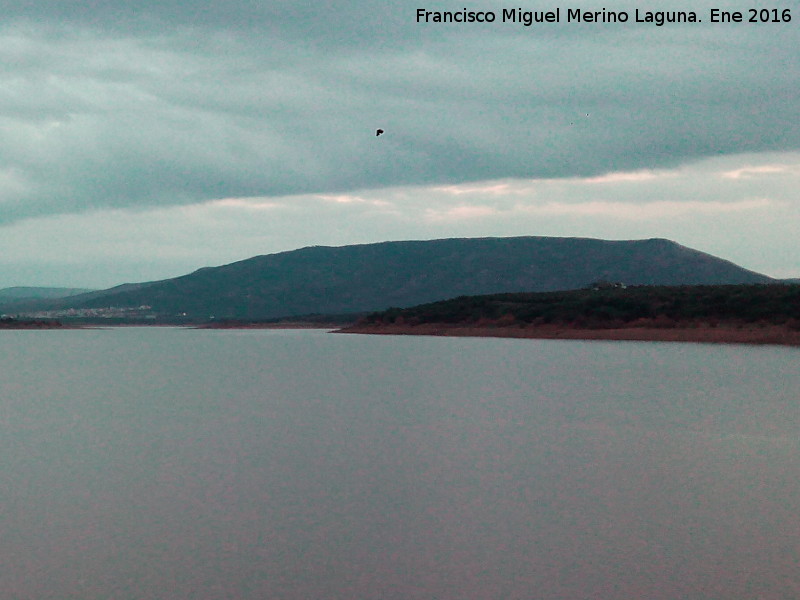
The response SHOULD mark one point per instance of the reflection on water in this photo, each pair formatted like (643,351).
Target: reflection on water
(163,463)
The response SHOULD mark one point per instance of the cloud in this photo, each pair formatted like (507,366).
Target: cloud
(629,211)
(751,221)
(634,176)
(750,172)
(120,105)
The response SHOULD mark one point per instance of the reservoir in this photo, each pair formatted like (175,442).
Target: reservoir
(181,464)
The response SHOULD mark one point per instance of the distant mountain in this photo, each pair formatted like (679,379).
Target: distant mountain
(370,277)
(35,293)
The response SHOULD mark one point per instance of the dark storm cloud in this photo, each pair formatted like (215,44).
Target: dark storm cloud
(156,103)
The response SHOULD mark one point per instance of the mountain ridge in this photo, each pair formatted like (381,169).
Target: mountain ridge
(17,293)
(369,277)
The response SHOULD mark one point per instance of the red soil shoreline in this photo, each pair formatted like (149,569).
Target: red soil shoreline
(721,334)
(34,325)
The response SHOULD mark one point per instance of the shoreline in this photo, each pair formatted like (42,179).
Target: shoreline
(720,334)
(256,325)
(38,325)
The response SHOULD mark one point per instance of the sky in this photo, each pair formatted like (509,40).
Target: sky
(140,141)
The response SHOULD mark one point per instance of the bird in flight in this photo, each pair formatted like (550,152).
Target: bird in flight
(378,132)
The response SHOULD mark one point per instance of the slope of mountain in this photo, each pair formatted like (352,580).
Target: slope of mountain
(372,277)
(38,293)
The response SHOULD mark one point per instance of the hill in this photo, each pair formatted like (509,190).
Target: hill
(762,314)
(661,306)
(17,294)
(369,277)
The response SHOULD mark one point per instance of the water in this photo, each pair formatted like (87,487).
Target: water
(186,464)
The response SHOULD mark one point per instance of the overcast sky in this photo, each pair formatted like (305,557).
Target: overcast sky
(145,140)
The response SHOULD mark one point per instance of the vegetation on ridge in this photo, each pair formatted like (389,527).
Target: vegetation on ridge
(653,306)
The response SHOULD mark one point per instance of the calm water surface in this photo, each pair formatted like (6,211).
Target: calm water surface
(186,464)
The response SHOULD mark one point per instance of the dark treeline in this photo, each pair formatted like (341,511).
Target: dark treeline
(660,306)
(10,323)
